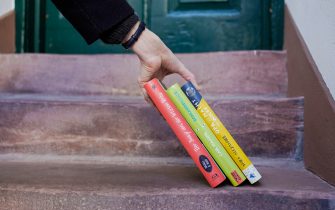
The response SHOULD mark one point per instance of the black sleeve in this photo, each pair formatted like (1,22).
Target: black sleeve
(95,19)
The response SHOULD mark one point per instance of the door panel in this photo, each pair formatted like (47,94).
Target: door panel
(197,26)
(184,25)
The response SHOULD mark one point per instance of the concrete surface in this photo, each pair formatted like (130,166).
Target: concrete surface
(154,185)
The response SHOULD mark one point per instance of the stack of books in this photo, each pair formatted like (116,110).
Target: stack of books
(203,135)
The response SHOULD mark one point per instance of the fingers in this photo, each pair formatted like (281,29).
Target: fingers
(146,97)
(188,76)
(144,92)
(173,65)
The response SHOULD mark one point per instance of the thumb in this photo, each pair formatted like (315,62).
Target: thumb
(145,76)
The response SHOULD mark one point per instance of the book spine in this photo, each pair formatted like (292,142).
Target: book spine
(184,133)
(222,134)
(219,154)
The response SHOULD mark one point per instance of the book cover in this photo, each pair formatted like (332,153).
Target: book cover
(219,154)
(185,134)
(222,134)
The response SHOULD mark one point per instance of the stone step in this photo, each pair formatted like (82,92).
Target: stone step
(229,73)
(152,183)
(115,125)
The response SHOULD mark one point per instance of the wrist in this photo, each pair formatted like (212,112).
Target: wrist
(148,44)
(131,32)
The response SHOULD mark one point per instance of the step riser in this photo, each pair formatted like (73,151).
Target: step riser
(267,128)
(250,72)
(73,145)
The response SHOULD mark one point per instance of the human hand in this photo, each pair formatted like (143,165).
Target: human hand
(156,60)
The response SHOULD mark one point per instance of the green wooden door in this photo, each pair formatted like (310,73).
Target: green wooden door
(184,25)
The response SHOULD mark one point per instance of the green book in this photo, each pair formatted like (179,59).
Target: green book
(206,136)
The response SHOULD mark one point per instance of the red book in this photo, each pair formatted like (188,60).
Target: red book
(184,132)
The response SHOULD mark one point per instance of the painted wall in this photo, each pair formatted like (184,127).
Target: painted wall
(6,6)
(315,20)
(7,26)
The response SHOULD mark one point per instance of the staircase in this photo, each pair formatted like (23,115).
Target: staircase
(76,134)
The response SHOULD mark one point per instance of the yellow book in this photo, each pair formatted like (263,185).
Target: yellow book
(206,136)
(222,134)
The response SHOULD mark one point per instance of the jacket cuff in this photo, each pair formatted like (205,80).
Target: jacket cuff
(116,34)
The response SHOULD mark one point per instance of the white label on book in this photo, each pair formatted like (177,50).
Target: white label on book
(252,174)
